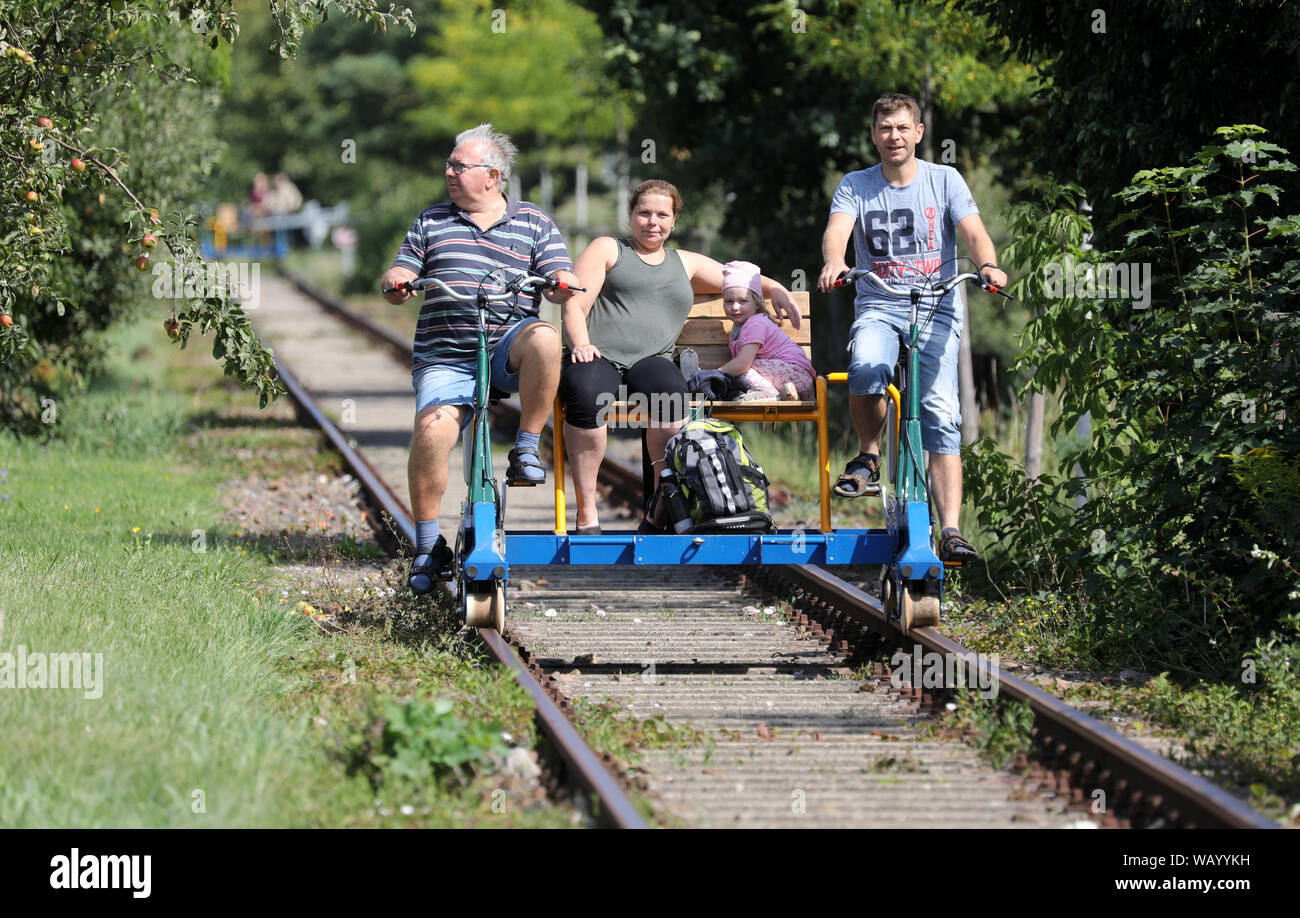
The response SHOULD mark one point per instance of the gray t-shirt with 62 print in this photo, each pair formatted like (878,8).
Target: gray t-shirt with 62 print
(905,233)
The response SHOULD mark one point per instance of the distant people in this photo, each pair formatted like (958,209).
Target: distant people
(255,204)
(284,196)
(227,218)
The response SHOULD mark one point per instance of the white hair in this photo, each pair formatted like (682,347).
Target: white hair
(501,151)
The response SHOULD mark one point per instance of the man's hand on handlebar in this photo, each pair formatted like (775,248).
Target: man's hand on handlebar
(831,272)
(995,276)
(393,286)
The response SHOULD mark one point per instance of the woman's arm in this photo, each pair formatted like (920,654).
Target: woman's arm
(744,359)
(703,272)
(591,267)
(706,277)
(781,301)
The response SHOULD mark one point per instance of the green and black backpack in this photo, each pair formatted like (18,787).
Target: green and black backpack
(724,488)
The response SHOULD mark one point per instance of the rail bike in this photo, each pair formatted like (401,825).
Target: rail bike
(912,573)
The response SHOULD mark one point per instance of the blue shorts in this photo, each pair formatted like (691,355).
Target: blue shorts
(873,352)
(453,383)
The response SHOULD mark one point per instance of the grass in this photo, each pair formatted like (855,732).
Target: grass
(97,543)
(218,705)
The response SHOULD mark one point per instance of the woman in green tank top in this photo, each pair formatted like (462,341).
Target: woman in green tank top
(620,335)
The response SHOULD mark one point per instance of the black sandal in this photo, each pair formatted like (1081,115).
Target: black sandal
(438,563)
(953,549)
(861,477)
(518,473)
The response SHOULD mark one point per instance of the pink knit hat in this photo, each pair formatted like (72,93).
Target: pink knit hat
(743,274)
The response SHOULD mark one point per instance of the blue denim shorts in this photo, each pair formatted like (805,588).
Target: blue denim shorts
(873,351)
(453,383)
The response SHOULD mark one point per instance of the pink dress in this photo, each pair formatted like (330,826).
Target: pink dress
(778,361)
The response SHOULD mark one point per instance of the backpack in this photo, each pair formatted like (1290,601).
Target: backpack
(724,489)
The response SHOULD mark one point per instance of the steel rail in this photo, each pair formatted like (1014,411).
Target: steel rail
(614,806)
(1185,793)
(1165,785)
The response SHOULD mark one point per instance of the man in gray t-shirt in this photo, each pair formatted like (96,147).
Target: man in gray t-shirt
(904,216)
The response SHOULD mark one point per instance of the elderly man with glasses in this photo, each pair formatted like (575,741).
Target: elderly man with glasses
(459,242)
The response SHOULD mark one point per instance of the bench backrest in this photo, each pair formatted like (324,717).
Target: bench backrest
(708,328)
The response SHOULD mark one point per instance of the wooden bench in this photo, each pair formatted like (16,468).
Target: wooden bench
(706,332)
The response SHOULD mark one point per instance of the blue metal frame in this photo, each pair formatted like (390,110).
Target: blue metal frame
(845,546)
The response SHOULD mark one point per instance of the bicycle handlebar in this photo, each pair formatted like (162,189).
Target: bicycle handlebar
(513,288)
(937,291)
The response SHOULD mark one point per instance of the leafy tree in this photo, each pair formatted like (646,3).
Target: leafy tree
(761,107)
(533,70)
(107,130)
(1146,81)
(773,100)
(1185,553)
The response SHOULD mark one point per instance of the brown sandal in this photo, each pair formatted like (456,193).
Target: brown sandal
(861,477)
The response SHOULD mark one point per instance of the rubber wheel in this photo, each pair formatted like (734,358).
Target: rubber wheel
(918,609)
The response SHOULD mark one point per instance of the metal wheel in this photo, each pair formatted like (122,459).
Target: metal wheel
(906,608)
(918,609)
(887,594)
(499,607)
(485,605)
(478,605)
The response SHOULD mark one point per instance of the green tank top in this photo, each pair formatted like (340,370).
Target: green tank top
(641,308)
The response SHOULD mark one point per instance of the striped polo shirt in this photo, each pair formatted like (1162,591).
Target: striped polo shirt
(445,243)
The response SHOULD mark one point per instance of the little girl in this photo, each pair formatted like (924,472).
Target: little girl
(763,357)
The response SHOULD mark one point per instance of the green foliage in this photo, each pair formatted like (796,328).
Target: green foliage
(128,91)
(1023,517)
(763,106)
(774,99)
(533,70)
(425,741)
(1243,732)
(999,729)
(1179,542)
(1146,81)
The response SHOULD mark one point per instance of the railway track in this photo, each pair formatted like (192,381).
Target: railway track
(783,672)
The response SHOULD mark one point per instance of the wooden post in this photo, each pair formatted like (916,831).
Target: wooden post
(970,415)
(1083,427)
(1034,436)
(624,181)
(580,184)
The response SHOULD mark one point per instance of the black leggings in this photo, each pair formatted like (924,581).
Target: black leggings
(586,388)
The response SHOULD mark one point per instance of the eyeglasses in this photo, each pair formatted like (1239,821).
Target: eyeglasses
(459,168)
